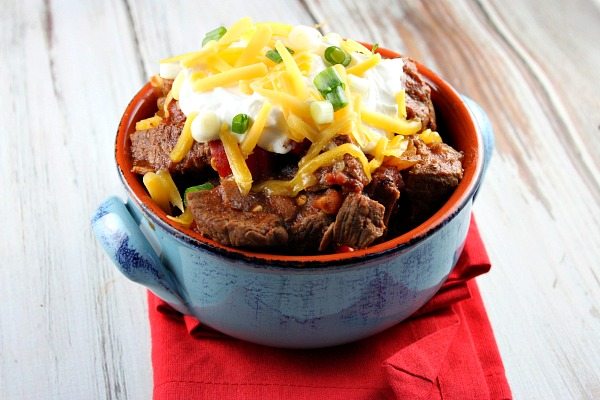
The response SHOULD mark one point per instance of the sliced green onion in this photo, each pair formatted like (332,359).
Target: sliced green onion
(274,55)
(215,34)
(331,86)
(321,112)
(337,98)
(327,80)
(335,55)
(239,123)
(198,188)
(374,48)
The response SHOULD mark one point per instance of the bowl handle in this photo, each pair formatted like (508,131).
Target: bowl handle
(484,126)
(120,236)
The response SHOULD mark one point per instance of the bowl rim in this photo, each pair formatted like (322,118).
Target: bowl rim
(459,198)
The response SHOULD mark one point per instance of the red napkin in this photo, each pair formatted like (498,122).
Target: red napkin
(445,351)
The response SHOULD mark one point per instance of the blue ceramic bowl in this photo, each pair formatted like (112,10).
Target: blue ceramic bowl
(295,301)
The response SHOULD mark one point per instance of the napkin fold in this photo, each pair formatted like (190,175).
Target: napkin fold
(444,351)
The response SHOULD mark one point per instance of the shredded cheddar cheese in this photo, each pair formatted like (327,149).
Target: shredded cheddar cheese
(230,77)
(184,142)
(236,31)
(185,219)
(305,178)
(298,129)
(378,154)
(401,103)
(168,100)
(288,101)
(170,188)
(360,68)
(217,64)
(154,186)
(148,123)
(293,71)
(162,189)
(257,43)
(350,46)
(390,124)
(231,54)
(281,70)
(240,170)
(255,131)
(177,85)
(428,136)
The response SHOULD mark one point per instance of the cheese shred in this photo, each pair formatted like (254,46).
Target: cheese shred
(294,72)
(230,77)
(390,124)
(360,68)
(184,142)
(256,129)
(251,59)
(305,175)
(241,173)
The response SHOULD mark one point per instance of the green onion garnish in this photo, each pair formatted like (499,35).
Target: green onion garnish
(327,80)
(239,123)
(374,48)
(331,86)
(337,98)
(274,55)
(215,34)
(335,55)
(198,188)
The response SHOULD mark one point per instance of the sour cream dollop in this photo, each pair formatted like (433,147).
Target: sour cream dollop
(378,87)
(226,103)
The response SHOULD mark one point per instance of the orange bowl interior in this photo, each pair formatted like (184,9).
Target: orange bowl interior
(455,124)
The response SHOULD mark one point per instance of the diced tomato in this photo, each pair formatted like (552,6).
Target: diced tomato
(344,249)
(259,162)
(300,148)
(330,202)
(218,158)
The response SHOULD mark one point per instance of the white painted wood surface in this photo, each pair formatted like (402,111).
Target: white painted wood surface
(71,327)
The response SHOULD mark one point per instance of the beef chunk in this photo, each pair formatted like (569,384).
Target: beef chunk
(385,186)
(327,237)
(430,182)
(231,196)
(359,221)
(150,151)
(283,206)
(235,227)
(418,96)
(348,174)
(176,116)
(308,230)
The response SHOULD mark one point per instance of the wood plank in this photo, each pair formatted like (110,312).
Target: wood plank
(72,327)
(538,210)
(66,332)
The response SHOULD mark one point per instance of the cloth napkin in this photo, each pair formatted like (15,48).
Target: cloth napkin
(445,351)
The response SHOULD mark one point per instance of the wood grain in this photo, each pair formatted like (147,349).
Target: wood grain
(72,327)
(538,210)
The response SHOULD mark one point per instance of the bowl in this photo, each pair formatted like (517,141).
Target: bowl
(295,301)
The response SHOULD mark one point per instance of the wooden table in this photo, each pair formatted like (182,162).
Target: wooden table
(72,327)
